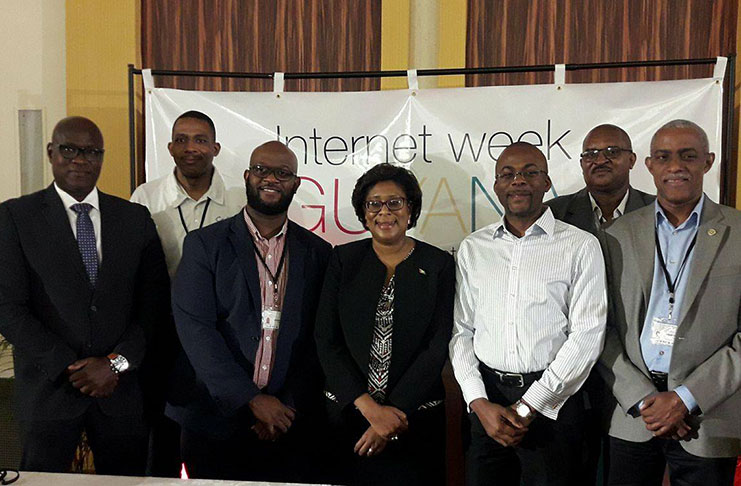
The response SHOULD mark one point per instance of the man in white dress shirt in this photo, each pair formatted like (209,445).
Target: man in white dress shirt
(530,319)
(190,197)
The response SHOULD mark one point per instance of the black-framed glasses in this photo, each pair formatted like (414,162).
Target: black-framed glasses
(528,175)
(262,172)
(610,153)
(393,204)
(69,152)
(9,476)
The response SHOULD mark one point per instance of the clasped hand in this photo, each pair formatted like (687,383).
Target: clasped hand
(664,414)
(500,423)
(93,376)
(273,417)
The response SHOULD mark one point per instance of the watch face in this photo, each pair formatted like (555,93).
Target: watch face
(522,410)
(120,363)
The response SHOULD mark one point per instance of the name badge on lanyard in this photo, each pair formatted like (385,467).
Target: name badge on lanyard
(663,331)
(270,319)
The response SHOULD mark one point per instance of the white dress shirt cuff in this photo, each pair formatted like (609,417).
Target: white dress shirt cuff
(472,389)
(543,400)
(687,398)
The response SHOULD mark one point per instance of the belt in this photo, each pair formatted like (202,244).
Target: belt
(514,380)
(660,380)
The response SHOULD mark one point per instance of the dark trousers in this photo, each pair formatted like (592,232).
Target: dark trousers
(596,440)
(298,456)
(164,448)
(550,454)
(417,457)
(643,464)
(119,444)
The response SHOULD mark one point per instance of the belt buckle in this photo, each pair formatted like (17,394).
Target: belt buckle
(518,384)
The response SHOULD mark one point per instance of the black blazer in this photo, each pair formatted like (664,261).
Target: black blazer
(53,316)
(217,308)
(576,208)
(423,321)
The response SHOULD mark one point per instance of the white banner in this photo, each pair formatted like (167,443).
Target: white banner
(450,138)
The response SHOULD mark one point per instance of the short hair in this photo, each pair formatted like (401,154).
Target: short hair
(198,116)
(615,128)
(387,172)
(679,123)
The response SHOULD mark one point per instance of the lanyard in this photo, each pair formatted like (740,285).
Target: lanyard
(275,276)
(203,217)
(669,284)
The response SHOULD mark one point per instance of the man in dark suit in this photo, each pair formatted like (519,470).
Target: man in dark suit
(244,300)
(606,160)
(82,282)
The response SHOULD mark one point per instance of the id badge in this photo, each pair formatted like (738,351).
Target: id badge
(663,331)
(270,319)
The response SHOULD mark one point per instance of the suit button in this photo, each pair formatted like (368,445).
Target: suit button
(94,308)
(255,338)
(89,346)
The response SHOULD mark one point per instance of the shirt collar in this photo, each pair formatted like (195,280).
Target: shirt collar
(254,231)
(692,222)
(546,223)
(620,209)
(68,201)
(176,195)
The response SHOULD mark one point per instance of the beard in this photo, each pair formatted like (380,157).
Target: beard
(270,209)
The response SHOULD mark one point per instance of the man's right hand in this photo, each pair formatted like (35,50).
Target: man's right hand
(385,420)
(500,423)
(270,410)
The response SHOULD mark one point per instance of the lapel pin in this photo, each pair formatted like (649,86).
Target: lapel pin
(712,232)
(422,271)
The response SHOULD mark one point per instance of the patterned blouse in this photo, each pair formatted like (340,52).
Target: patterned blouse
(380,354)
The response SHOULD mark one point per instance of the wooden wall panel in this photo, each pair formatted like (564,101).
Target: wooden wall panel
(263,36)
(526,32)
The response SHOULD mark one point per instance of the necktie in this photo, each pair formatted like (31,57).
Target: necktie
(86,240)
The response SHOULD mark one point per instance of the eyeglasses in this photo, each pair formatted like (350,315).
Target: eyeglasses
(528,175)
(393,204)
(610,153)
(69,152)
(262,172)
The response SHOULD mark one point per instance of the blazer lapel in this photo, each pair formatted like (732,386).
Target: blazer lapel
(580,212)
(111,232)
(65,244)
(244,248)
(291,318)
(644,251)
(710,233)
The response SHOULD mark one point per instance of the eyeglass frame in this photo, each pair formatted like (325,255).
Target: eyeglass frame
(524,174)
(271,171)
(604,153)
(404,203)
(5,477)
(86,152)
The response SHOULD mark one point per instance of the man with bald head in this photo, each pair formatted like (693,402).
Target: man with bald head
(672,353)
(82,283)
(606,161)
(244,300)
(525,341)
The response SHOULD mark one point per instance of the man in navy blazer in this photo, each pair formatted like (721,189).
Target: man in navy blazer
(244,300)
(83,281)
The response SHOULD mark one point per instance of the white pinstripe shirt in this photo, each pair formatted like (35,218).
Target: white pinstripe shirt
(529,304)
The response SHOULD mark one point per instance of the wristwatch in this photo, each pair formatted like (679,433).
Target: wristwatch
(119,364)
(523,410)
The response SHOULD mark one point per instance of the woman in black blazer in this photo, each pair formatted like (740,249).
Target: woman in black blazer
(383,326)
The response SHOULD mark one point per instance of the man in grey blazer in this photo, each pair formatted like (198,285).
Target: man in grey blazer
(672,354)
(606,161)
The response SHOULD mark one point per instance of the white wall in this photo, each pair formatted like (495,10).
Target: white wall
(33,60)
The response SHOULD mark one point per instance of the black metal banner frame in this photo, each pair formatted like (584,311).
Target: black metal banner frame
(726,189)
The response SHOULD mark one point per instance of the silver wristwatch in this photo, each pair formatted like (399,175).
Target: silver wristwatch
(523,410)
(119,364)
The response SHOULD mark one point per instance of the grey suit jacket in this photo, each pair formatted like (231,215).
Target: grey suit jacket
(576,209)
(707,350)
